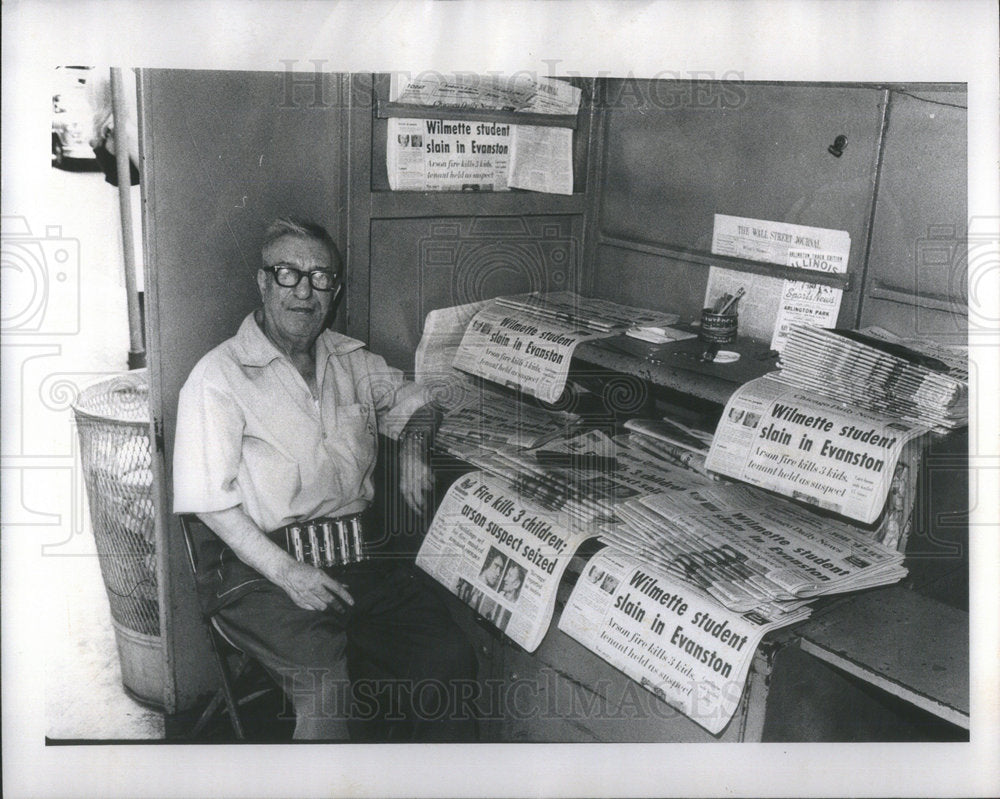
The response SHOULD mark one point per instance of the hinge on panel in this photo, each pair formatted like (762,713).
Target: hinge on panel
(158,434)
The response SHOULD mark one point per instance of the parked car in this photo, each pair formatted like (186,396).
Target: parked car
(72,116)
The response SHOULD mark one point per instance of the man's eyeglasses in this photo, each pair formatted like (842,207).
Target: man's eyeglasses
(289,277)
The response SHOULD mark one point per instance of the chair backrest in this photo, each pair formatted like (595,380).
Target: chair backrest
(187,519)
(188,522)
(219,641)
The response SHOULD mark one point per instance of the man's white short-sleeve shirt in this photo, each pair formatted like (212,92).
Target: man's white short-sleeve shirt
(250,433)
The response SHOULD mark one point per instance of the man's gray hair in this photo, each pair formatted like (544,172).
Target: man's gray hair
(291,226)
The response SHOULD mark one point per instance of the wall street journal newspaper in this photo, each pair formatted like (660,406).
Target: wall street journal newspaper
(667,635)
(809,448)
(500,555)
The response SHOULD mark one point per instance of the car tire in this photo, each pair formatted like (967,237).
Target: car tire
(58,154)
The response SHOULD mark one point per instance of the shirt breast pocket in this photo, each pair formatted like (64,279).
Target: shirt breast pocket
(356,432)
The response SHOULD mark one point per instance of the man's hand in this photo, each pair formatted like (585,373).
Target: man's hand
(313,589)
(415,477)
(309,587)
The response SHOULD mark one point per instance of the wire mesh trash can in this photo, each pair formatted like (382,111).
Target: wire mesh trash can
(113,420)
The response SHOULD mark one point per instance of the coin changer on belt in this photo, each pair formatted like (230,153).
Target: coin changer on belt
(327,542)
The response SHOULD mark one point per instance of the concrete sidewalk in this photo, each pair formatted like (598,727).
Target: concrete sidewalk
(84,697)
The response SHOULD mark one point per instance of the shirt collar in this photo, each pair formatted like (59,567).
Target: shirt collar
(253,348)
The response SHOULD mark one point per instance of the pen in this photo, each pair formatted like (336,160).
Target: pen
(733,300)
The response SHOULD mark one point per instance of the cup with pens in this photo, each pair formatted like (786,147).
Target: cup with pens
(720,322)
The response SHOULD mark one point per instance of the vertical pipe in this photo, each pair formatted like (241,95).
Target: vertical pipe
(862,285)
(137,353)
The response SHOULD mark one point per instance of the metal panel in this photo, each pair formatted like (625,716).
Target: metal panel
(218,160)
(917,268)
(680,152)
(419,265)
(757,151)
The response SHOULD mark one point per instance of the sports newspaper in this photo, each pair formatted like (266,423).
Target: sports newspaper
(810,448)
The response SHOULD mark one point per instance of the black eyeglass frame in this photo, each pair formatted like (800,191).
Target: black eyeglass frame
(314,275)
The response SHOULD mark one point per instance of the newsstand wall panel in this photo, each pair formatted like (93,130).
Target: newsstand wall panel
(218,163)
(918,265)
(422,264)
(679,152)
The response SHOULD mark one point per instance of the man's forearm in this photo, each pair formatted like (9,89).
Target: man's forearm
(249,542)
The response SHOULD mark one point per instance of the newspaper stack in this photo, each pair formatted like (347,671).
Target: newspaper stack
(911,379)
(585,476)
(746,550)
(493,420)
(570,308)
(670,440)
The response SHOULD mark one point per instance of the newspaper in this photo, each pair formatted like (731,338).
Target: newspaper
(907,379)
(586,476)
(500,554)
(671,440)
(520,92)
(520,351)
(541,159)
(447,155)
(589,312)
(799,246)
(432,362)
(739,545)
(671,638)
(492,419)
(812,449)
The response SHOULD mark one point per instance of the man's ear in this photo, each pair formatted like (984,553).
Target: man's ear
(261,282)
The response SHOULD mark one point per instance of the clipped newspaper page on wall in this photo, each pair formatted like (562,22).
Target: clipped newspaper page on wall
(470,155)
(500,555)
(812,449)
(447,155)
(667,635)
(521,92)
(772,305)
(481,155)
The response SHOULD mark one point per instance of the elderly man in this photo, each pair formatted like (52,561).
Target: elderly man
(275,450)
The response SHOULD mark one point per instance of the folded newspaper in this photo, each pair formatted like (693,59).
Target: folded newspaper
(520,350)
(743,548)
(811,448)
(526,342)
(501,555)
(491,419)
(911,379)
(673,639)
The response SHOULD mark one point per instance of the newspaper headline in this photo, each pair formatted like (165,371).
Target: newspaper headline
(502,556)
(668,636)
(806,447)
(527,353)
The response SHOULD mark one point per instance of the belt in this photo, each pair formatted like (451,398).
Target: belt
(326,541)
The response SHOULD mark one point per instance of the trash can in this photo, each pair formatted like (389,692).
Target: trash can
(113,420)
